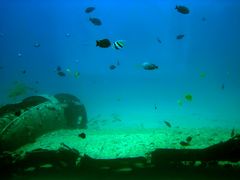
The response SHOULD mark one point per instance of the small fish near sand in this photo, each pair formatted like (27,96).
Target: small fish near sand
(95,21)
(182,9)
(103,43)
(149,66)
(167,124)
(89,9)
(82,135)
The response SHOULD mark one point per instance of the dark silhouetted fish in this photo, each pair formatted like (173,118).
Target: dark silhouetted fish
(222,87)
(159,40)
(24,71)
(95,21)
(149,66)
(103,43)
(61,73)
(189,139)
(204,18)
(167,124)
(58,68)
(112,67)
(180,36)
(89,9)
(182,9)
(82,135)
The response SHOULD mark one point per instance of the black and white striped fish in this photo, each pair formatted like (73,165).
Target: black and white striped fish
(118,44)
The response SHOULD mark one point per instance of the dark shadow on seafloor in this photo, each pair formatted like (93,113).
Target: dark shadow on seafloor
(141,174)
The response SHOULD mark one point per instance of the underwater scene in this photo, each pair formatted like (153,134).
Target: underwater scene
(119,88)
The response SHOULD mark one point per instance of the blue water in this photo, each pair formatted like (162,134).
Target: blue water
(138,98)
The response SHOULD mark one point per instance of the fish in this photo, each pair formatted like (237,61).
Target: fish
(119,44)
(67,35)
(95,21)
(36,44)
(24,71)
(58,68)
(202,74)
(76,74)
(180,102)
(180,36)
(189,139)
(155,106)
(112,67)
(149,66)
(61,73)
(103,43)
(204,18)
(222,87)
(167,124)
(182,9)
(89,9)
(188,97)
(159,40)
(184,143)
(19,54)
(82,135)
